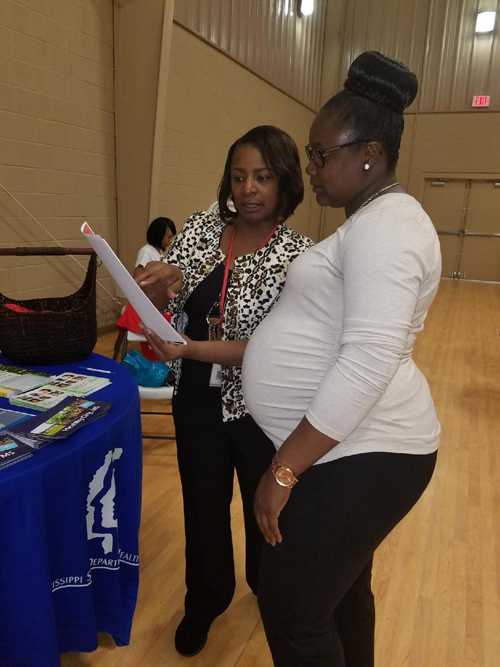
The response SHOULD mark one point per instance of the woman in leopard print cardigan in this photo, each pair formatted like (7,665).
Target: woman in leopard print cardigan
(250,242)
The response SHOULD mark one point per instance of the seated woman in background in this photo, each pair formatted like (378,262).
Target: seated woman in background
(161,232)
(233,259)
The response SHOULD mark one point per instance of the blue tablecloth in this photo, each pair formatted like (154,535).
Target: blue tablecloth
(69,525)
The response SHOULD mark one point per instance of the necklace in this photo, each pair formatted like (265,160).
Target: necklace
(377,194)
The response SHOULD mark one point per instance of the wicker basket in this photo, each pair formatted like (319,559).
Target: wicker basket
(60,329)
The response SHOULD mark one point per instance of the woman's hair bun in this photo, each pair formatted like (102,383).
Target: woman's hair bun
(382,80)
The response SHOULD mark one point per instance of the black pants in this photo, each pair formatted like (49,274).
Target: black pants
(314,590)
(208,452)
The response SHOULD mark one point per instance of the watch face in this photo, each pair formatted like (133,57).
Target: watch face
(284,476)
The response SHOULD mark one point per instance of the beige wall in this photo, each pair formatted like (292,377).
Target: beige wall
(56,136)
(245,31)
(142,45)
(211,102)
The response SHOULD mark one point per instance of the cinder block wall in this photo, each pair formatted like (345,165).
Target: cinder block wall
(56,138)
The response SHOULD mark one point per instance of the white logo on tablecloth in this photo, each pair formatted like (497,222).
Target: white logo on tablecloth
(102,491)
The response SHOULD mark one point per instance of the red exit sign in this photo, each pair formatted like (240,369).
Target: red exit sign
(481,101)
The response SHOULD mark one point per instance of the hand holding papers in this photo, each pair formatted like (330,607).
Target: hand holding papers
(149,314)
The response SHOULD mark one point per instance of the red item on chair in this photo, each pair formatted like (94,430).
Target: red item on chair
(131,321)
(19,309)
(148,352)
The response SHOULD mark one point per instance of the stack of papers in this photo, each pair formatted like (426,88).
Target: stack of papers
(147,311)
(14,379)
(59,422)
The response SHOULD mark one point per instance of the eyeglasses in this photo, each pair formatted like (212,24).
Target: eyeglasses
(318,155)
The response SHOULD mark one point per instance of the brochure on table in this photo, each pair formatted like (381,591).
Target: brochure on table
(12,451)
(42,398)
(77,384)
(10,417)
(15,379)
(59,422)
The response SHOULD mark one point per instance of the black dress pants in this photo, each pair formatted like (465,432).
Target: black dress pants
(314,589)
(208,452)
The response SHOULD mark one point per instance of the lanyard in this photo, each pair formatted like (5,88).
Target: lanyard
(227,268)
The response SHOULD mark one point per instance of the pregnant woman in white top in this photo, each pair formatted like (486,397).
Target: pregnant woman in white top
(329,376)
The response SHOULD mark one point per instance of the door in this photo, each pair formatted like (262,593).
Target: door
(445,202)
(481,244)
(466,214)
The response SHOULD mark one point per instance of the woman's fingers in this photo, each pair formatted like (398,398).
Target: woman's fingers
(174,288)
(166,351)
(158,272)
(268,525)
(161,282)
(274,528)
(154,341)
(264,528)
(269,501)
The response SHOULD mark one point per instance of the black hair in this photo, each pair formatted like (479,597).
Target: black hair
(281,156)
(376,92)
(156,231)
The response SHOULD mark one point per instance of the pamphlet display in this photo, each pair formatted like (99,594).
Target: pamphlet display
(61,399)
(51,394)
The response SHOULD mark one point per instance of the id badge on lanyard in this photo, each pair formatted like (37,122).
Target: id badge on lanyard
(215,317)
(215,333)
(216,376)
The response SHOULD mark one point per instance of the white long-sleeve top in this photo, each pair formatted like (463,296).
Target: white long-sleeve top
(148,253)
(337,346)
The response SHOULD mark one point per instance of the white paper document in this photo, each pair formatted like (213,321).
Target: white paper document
(147,311)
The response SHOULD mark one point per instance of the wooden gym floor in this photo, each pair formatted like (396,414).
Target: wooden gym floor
(437,576)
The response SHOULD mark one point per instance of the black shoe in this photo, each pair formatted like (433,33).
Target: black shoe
(190,637)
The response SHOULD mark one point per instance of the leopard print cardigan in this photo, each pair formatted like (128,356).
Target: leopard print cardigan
(256,283)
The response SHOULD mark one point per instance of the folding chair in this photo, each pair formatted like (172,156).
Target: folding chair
(145,393)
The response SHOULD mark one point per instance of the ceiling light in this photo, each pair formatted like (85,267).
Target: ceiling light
(485,21)
(306,7)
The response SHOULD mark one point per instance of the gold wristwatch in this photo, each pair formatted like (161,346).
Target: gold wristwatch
(283,475)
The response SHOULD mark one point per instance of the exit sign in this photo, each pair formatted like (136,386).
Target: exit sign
(481,101)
